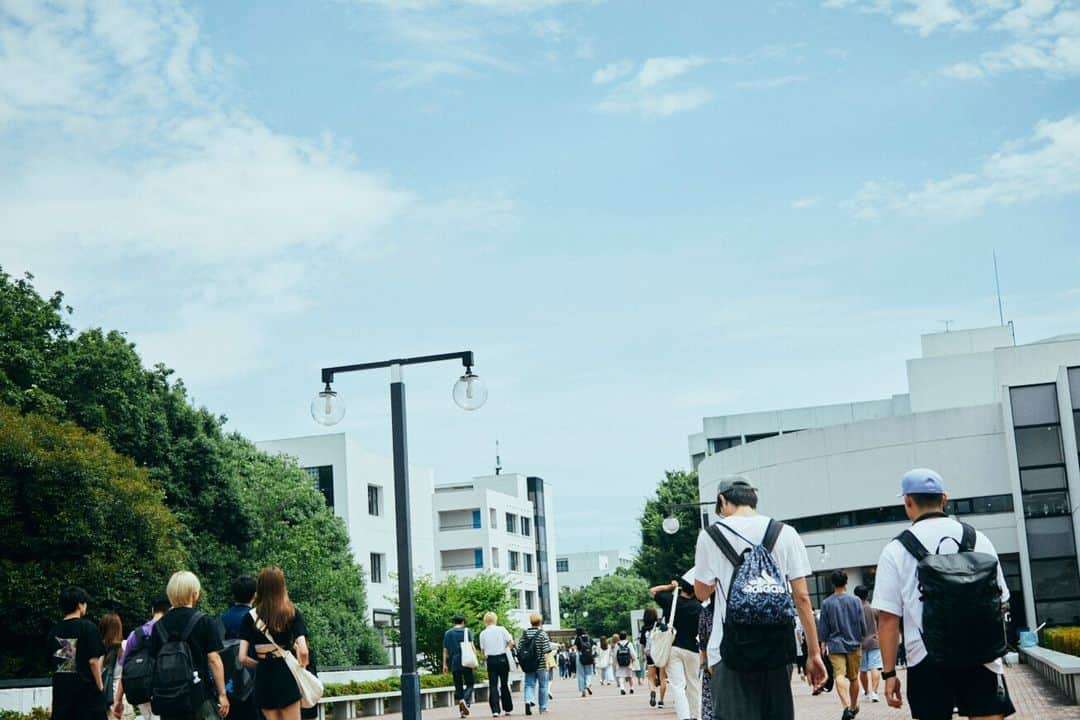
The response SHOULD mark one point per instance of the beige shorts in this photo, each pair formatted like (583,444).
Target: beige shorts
(846,664)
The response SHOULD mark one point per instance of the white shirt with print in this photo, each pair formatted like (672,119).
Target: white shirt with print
(713,568)
(896,587)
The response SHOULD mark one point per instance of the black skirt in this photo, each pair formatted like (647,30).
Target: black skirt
(275,686)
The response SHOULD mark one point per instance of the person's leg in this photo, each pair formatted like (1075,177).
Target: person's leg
(662,681)
(692,661)
(854,660)
(544,696)
(459,686)
(493,686)
(676,678)
(531,679)
(864,681)
(776,690)
(580,677)
(504,682)
(841,682)
(470,681)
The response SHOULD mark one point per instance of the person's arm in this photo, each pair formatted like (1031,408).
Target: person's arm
(445,660)
(302,653)
(118,698)
(95,672)
(815,667)
(663,588)
(889,640)
(704,585)
(217,670)
(245,658)
(824,629)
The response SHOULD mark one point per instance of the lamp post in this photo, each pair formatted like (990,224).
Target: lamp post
(671,523)
(328,409)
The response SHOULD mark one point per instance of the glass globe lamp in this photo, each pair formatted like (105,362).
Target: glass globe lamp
(470,392)
(671,525)
(327,408)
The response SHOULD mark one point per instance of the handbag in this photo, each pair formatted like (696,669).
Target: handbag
(661,639)
(468,654)
(311,687)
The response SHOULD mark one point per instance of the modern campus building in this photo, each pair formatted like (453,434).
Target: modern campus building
(999,421)
(576,570)
(499,523)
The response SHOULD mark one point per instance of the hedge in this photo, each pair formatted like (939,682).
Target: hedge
(391,684)
(1062,639)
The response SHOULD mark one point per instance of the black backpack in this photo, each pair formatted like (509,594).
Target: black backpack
(175,689)
(585,649)
(963,623)
(623,654)
(759,614)
(139,670)
(528,652)
(239,680)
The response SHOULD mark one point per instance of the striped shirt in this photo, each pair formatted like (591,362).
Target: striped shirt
(543,643)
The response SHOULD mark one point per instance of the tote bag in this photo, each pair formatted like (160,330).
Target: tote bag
(468,653)
(311,687)
(662,640)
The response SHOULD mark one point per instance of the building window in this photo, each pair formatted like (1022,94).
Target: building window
(322,477)
(722,444)
(476,520)
(511,523)
(478,558)
(494,518)
(377,561)
(562,565)
(521,601)
(760,436)
(530,599)
(1037,479)
(374,500)
(515,561)
(1039,445)
(526,526)
(528,563)
(494,557)
(984,505)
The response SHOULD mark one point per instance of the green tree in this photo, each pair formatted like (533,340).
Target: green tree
(438,602)
(662,557)
(74,512)
(608,601)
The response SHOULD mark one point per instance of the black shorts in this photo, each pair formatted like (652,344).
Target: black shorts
(933,692)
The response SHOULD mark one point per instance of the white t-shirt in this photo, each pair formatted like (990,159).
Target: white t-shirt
(494,639)
(712,567)
(896,588)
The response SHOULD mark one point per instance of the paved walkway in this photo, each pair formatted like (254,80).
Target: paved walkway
(1034,698)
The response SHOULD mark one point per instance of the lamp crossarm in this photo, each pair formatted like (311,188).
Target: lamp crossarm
(466,357)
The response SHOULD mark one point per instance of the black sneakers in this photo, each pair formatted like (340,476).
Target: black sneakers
(652,698)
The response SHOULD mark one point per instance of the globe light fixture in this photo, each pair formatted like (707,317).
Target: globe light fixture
(671,525)
(470,392)
(327,408)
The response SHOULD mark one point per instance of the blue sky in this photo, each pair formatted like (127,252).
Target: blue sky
(636,213)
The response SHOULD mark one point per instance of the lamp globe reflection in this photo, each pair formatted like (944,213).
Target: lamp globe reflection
(470,392)
(327,408)
(671,525)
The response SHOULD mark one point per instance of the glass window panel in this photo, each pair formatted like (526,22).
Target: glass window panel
(1048,504)
(1052,478)
(1074,387)
(1050,537)
(1058,613)
(994,504)
(760,436)
(1039,446)
(1055,579)
(1034,405)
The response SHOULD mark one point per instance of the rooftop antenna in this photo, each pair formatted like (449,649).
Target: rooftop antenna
(948,324)
(997,284)
(498,460)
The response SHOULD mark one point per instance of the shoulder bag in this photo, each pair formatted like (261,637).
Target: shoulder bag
(311,687)
(468,653)
(662,638)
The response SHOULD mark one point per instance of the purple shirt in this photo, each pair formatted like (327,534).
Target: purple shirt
(129,644)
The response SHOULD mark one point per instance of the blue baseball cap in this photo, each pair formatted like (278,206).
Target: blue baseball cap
(921,481)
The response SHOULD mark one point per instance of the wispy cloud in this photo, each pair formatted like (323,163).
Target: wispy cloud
(1044,165)
(650,91)
(770,83)
(805,203)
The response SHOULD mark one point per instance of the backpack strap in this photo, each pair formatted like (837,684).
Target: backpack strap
(190,627)
(912,545)
(772,534)
(724,544)
(967,542)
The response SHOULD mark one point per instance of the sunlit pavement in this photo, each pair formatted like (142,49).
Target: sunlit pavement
(1034,698)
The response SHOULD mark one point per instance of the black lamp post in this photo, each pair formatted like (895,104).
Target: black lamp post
(671,523)
(328,409)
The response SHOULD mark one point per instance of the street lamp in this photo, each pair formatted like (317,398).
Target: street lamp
(328,409)
(671,524)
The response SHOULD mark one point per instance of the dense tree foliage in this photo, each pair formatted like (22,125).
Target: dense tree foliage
(216,486)
(73,511)
(663,557)
(438,602)
(608,601)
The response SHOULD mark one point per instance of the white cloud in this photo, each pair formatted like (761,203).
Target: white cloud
(1044,165)
(649,92)
(1041,35)
(770,83)
(804,203)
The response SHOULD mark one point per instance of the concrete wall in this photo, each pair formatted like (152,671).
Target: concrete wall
(587,566)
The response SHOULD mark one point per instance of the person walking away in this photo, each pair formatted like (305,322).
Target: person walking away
(272,627)
(705,621)
(240,687)
(657,676)
(74,646)
(842,629)
(603,661)
(800,649)
(138,662)
(583,647)
(495,643)
(757,567)
(625,657)
(111,629)
(464,678)
(533,649)
(571,660)
(870,669)
(941,578)
(561,656)
(684,665)
(188,674)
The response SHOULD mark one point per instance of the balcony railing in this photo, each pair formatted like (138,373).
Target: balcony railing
(470,566)
(458,526)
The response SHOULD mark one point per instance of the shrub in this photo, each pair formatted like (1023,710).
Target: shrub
(1062,639)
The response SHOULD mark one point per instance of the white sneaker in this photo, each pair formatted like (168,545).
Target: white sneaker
(874,697)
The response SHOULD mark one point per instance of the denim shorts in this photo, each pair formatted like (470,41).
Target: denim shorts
(871,660)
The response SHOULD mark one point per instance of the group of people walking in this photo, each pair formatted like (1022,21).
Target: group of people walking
(182,664)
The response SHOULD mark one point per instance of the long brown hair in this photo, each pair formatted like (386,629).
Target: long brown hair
(272,600)
(112,635)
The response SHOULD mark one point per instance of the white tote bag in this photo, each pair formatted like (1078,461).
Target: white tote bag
(468,653)
(311,687)
(662,640)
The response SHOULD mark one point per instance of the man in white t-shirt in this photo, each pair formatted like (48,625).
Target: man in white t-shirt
(933,691)
(495,643)
(764,695)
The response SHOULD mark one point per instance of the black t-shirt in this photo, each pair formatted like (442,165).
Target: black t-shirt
(687,615)
(205,638)
(71,645)
(285,639)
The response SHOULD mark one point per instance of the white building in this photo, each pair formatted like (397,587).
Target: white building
(576,570)
(359,486)
(499,524)
(999,421)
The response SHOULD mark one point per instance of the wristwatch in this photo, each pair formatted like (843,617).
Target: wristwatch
(888,674)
